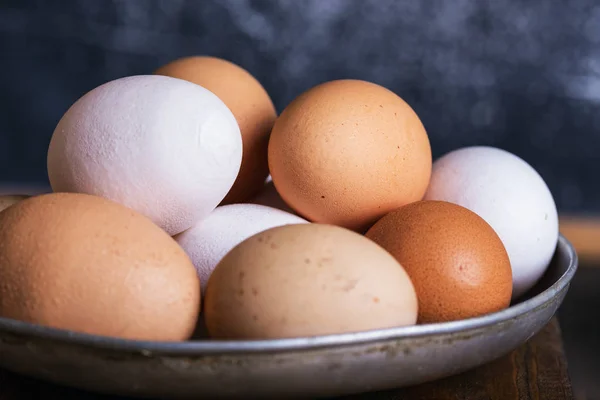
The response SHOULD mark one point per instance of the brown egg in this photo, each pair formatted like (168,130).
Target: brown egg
(8,200)
(250,104)
(269,197)
(456,261)
(86,264)
(304,280)
(347,152)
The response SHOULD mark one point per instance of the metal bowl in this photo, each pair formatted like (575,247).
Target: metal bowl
(301,367)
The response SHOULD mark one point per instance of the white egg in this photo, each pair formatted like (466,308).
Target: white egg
(164,147)
(511,196)
(207,242)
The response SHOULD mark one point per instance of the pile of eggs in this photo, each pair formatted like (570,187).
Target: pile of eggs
(181,201)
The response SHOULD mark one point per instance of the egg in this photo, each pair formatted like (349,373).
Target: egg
(162,146)
(347,152)
(511,196)
(8,200)
(269,197)
(209,240)
(86,264)
(457,263)
(304,280)
(251,106)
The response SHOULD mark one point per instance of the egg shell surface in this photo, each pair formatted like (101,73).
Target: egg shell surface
(455,260)
(209,240)
(269,197)
(347,152)
(250,104)
(162,146)
(8,200)
(511,196)
(86,264)
(307,279)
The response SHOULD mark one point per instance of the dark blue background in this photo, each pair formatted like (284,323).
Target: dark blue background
(521,75)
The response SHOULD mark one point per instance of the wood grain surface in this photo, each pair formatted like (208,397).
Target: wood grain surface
(584,233)
(537,370)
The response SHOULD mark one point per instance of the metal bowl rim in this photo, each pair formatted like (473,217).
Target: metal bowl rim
(204,347)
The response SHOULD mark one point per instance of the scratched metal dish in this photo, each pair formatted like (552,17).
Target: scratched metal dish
(307,367)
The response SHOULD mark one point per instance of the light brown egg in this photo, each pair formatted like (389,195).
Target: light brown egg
(304,280)
(86,264)
(456,261)
(347,152)
(8,200)
(250,104)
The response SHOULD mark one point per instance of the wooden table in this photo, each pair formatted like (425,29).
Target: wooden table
(537,370)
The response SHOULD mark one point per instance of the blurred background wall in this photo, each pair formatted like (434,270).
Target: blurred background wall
(522,75)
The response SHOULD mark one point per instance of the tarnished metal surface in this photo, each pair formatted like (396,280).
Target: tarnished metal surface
(303,367)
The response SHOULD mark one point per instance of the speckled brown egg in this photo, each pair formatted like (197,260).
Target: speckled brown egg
(250,104)
(304,280)
(347,152)
(8,200)
(456,261)
(86,264)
